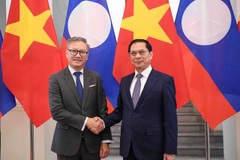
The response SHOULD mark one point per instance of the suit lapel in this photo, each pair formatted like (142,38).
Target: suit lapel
(87,78)
(69,80)
(152,79)
(128,85)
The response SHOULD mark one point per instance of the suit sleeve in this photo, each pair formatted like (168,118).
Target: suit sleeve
(116,116)
(103,110)
(59,113)
(170,117)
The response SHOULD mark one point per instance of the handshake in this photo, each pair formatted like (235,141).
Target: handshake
(95,125)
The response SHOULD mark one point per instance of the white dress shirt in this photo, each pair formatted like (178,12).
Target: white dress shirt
(143,80)
(81,79)
(72,71)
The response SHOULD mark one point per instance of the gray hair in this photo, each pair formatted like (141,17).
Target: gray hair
(76,39)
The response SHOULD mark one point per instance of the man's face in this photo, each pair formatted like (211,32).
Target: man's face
(77,54)
(140,56)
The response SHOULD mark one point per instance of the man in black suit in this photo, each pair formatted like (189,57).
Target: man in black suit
(76,96)
(147,108)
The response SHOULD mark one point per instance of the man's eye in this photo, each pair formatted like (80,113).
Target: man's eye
(81,52)
(75,51)
(141,52)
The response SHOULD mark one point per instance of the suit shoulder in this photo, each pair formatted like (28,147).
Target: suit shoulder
(164,75)
(91,72)
(59,73)
(127,76)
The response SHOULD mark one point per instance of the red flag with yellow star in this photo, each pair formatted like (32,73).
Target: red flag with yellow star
(30,54)
(152,20)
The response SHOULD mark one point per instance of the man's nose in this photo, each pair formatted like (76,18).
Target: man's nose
(137,55)
(78,55)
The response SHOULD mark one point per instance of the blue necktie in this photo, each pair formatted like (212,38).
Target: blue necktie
(79,84)
(136,90)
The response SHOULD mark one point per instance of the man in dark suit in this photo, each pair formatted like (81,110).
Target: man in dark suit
(76,96)
(147,108)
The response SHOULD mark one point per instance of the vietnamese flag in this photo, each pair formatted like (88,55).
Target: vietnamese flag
(152,20)
(30,54)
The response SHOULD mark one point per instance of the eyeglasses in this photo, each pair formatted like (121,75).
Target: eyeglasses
(74,52)
(141,52)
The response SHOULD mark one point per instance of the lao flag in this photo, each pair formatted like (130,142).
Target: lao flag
(212,59)
(91,19)
(7,100)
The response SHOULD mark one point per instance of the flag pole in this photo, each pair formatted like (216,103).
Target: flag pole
(207,142)
(31,141)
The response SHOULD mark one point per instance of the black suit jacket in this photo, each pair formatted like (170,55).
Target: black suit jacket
(70,113)
(151,127)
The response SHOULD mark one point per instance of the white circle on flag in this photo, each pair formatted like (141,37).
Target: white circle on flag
(90,20)
(206,22)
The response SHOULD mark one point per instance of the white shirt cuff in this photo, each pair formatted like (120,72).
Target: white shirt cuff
(84,124)
(107,141)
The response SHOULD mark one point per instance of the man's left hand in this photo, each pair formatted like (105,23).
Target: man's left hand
(104,150)
(168,156)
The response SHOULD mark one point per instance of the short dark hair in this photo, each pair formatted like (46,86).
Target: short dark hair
(148,45)
(76,39)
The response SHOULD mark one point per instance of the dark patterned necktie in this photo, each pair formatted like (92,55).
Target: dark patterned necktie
(136,90)
(79,84)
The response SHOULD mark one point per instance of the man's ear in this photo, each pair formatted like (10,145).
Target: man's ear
(151,54)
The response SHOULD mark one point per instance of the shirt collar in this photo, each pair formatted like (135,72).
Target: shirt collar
(73,70)
(146,72)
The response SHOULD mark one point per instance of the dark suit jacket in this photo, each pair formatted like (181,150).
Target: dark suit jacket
(152,126)
(70,112)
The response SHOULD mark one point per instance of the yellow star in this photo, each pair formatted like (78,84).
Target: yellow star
(144,22)
(30,28)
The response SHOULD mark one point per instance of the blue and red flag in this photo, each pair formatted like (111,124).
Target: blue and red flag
(91,19)
(7,100)
(211,56)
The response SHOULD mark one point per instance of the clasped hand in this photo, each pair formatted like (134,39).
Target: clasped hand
(95,125)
